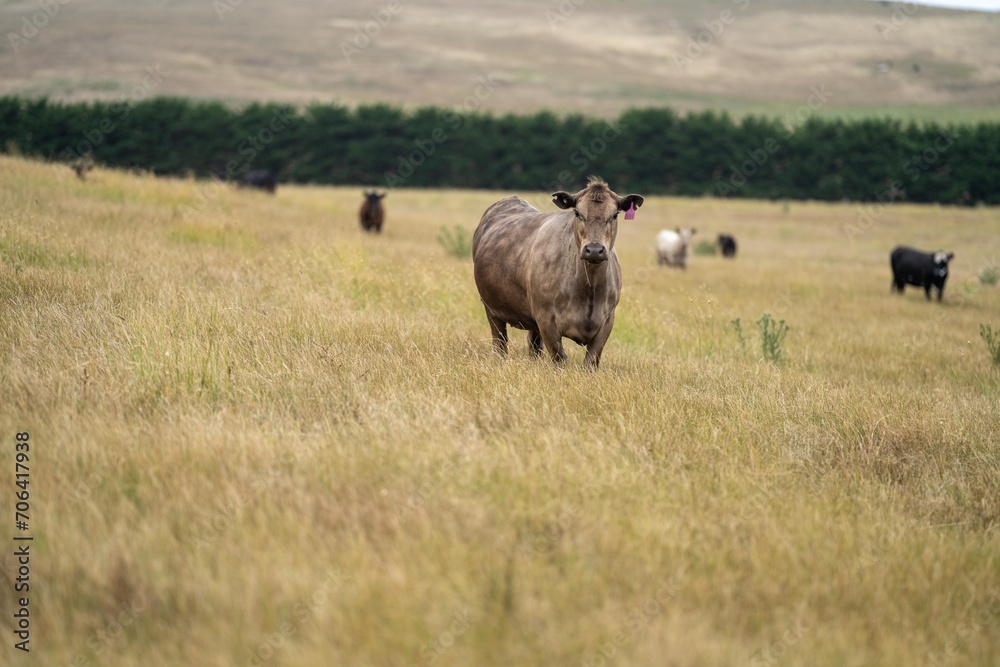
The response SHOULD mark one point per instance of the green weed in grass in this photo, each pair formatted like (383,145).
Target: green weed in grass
(455,241)
(705,248)
(739,334)
(992,340)
(989,275)
(772,337)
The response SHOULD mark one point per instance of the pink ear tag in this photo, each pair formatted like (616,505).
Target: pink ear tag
(630,213)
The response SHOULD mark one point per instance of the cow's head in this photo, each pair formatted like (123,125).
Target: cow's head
(686,233)
(596,224)
(373,197)
(941,259)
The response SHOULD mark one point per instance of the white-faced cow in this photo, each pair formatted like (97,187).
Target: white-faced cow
(672,246)
(923,269)
(554,274)
(372,212)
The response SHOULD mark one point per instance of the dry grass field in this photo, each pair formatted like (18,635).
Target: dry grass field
(596,57)
(261,437)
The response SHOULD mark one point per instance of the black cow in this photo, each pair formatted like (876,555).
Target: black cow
(727,245)
(923,269)
(263,179)
(372,212)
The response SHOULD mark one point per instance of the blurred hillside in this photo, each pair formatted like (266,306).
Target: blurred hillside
(587,56)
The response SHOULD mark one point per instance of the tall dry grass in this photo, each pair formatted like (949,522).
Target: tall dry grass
(261,436)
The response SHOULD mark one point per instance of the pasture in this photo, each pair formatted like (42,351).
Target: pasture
(261,436)
(761,57)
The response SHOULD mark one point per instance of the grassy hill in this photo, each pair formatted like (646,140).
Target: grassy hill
(260,436)
(595,57)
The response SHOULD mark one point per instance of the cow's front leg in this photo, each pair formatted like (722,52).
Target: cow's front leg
(549,333)
(596,345)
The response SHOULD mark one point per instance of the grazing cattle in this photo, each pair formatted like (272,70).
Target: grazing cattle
(263,179)
(923,269)
(672,247)
(372,212)
(554,274)
(727,245)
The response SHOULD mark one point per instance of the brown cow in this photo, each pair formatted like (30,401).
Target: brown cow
(372,212)
(81,166)
(553,274)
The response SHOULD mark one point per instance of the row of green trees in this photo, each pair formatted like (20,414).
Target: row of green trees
(652,151)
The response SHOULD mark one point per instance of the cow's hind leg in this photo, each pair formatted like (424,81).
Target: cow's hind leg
(927,291)
(499,330)
(535,343)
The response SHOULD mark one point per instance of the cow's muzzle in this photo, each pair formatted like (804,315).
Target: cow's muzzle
(595,253)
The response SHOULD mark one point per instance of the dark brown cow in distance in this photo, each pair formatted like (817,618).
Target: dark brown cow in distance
(372,213)
(554,274)
(81,166)
(260,179)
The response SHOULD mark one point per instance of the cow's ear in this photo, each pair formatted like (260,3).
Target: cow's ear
(563,200)
(951,256)
(628,201)
(694,230)
(382,195)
